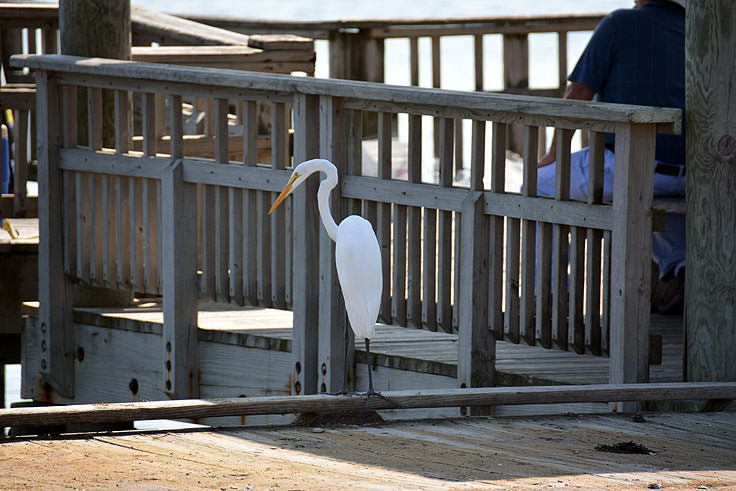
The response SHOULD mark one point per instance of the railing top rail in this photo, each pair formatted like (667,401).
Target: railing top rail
(500,25)
(554,110)
(29,15)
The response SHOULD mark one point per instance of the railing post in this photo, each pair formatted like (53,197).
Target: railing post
(178,228)
(476,343)
(632,253)
(54,289)
(515,75)
(331,359)
(306,225)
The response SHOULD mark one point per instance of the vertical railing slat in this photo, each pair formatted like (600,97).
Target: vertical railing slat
(222,209)
(71,222)
(384,213)
(560,302)
(414,227)
(528,239)
(278,217)
(414,60)
(444,246)
(496,239)
(96,192)
(592,335)
(251,210)
(122,188)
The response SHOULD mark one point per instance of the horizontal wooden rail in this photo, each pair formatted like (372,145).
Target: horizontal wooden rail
(489,396)
(357,187)
(520,109)
(409,27)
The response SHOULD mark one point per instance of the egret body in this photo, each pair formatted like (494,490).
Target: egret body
(357,254)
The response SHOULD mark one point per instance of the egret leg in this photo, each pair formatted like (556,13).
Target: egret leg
(371,392)
(344,389)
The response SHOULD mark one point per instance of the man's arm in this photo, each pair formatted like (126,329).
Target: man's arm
(575,90)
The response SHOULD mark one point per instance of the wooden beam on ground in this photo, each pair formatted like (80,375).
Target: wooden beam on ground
(482,396)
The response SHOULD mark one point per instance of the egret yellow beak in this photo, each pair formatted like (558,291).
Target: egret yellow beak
(287,189)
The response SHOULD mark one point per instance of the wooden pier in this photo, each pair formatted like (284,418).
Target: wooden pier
(687,451)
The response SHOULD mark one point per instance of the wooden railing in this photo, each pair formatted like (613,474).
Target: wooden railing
(547,271)
(358,49)
(181,42)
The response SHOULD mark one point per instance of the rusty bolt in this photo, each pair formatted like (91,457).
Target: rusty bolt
(43,345)
(323,387)
(43,363)
(463,385)
(324,369)
(133,386)
(298,367)
(298,387)
(43,327)
(168,385)
(168,365)
(463,411)
(168,346)
(80,353)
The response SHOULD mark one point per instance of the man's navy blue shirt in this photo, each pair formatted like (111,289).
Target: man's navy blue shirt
(637,56)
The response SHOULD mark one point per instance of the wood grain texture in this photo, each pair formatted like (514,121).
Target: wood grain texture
(711,180)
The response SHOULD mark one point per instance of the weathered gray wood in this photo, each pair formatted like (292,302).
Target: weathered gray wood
(383,231)
(560,302)
(527,323)
(120,186)
(562,58)
(398,288)
(414,61)
(476,344)
(594,251)
(519,107)
(68,127)
(515,76)
(478,61)
(482,396)
(54,290)
(222,200)
(446,133)
(711,178)
(250,157)
(429,270)
(331,352)
(304,373)
(278,217)
(512,284)
(179,333)
(20,157)
(576,285)
(496,238)
(543,284)
(631,254)
(414,227)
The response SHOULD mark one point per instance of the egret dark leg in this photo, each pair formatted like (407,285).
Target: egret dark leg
(344,389)
(370,374)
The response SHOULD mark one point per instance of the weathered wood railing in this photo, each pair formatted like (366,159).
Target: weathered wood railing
(128,220)
(358,49)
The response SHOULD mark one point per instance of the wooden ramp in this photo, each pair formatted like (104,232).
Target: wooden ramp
(688,451)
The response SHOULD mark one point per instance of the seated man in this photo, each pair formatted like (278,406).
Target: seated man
(636,56)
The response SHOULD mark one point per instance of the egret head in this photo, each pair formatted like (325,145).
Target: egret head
(300,174)
(295,179)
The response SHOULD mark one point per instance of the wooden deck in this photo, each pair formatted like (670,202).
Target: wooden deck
(248,352)
(688,451)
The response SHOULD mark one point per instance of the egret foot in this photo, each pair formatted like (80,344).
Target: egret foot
(371,392)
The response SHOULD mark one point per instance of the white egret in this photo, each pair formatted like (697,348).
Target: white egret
(357,255)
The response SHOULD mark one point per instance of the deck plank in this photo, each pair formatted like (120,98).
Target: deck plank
(467,453)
